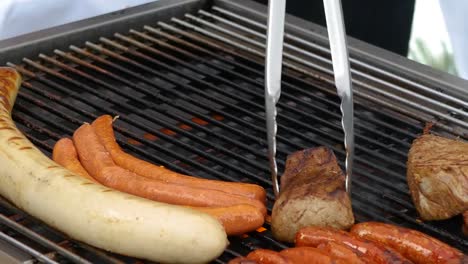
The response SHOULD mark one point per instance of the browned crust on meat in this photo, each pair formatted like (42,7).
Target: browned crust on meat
(312,193)
(437,175)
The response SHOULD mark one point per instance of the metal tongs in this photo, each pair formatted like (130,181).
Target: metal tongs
(341,69)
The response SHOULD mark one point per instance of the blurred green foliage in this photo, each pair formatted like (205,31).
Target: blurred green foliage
(443,61)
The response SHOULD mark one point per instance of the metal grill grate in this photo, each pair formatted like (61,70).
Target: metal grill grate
(189,94)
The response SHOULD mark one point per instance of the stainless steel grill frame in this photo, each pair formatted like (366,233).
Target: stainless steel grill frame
(186,79)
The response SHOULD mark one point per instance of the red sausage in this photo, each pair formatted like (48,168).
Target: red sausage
(309,255)
(343,253)
(242,260)
(377,253)
(416,246)
(266,256)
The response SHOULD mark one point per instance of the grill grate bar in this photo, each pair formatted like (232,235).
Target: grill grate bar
(44,241)
(255,80)
(397,98)
(41,257)
(353,60)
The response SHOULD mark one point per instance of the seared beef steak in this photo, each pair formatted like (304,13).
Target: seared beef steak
(437,174)
(312,194)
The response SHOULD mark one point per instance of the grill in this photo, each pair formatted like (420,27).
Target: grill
(186,80)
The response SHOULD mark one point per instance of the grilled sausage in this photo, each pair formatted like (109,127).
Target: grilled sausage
(266,256)
(236,219)
(242,260)
(98,162)
(414,245)
(308,255)
(103,128)
(343,253)
(92,213)
(379,254)
(64,153)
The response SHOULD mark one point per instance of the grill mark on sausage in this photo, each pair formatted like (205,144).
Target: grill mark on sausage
(25,148)
(14,138)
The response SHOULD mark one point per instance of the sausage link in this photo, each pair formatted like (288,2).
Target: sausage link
(242,260)
(377,253)
(310,255)
(343,253)
(64,154)
(414,245)
(237,219)
(266,256)
(98,162)
(105,132)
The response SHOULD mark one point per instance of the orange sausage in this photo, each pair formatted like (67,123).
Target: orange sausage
(104,129)
(126,181)
(242,260)
(237,219)
(93,156)
(310,255)
(377,253)
(266,256)
(414,245)
(98,162)
(342,253)
(64,154)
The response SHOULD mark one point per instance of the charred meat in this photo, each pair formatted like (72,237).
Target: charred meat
(312,194)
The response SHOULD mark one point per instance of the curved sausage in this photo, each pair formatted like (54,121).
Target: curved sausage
(236,219)
(414,245)
(343,253)
(379,254)
(104,129)
(242,260)
(308,255)
(64,153)
(266,256)
(98,162)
